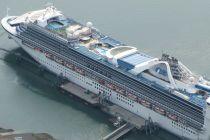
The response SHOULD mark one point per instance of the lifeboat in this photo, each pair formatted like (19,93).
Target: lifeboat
(60,61)
(123,91)
(111,86)
(101,81)
(146,104)
(139,100)
(48,55)
(173,117)
(162,111)
(159,110)
(117,89)
(71,66)
(132,97)
(120,90)
(38,49)
(80,71)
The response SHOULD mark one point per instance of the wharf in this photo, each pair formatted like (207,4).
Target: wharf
(81,93)
(117,111)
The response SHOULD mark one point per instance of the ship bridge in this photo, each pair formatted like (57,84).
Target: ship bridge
(40,16)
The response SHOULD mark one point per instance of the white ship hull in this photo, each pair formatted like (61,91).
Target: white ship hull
(163,121)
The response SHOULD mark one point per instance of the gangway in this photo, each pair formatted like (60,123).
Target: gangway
(119,132)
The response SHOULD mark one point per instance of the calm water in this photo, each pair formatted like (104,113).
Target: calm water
(29,103)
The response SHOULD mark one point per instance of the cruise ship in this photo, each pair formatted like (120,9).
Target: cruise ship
(162,89)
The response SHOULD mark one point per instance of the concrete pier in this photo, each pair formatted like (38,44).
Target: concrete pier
(117,111)
(80,92)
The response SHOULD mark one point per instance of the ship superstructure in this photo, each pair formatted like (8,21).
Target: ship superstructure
(161,88)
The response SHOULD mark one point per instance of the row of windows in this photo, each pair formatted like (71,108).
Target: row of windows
(100,87)
(60,68)
(175,124)
(125,100)
(89,84)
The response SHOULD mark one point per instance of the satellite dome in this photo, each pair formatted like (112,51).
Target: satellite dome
(89,24)
(119,118)
(192,79)
(71,31)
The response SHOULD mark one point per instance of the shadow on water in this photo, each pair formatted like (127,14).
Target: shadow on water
(43,84)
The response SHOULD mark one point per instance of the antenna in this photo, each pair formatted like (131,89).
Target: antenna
(162,52)
(48,4)
(8,9)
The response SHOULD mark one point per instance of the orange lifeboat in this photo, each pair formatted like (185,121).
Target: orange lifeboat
(58,60)
(139,100)
(132,97)
(117,89)
(173,117)
(38,49)
(146,103)
(80,71)
(101,81)
(120,90)
(111,86)
(69,65)
(48,55)
(159,110)
(123,91)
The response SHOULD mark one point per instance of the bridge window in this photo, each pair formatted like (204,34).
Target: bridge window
(161,71)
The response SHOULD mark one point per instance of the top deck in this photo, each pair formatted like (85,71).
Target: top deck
(130,61)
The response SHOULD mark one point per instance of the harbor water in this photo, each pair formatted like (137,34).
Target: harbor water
(29,102)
